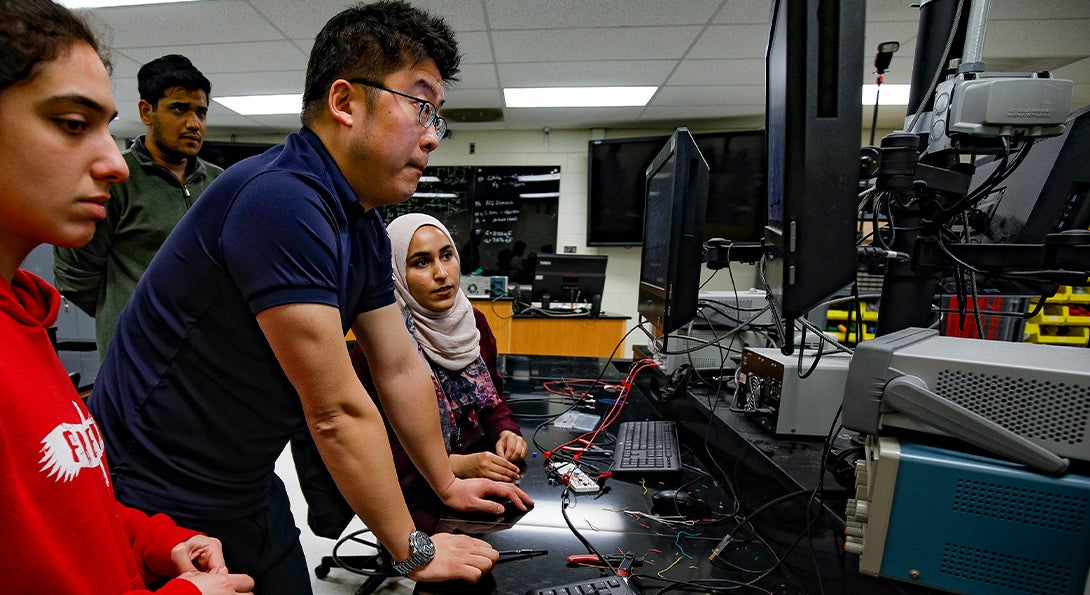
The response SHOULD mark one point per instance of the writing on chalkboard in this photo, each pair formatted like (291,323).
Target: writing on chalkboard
(500,217)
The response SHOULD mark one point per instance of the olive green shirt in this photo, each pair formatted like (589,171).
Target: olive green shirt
(99,277)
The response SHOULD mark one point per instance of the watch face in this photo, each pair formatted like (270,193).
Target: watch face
(422,551)
(421,543)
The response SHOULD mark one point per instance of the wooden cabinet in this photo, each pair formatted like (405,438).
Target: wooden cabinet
(498,313)
(586,337)
(581,337)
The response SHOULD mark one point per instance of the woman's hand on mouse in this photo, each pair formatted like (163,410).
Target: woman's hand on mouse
(484,464)
(511,446)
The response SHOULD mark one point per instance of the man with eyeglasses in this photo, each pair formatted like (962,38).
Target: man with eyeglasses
(234,340)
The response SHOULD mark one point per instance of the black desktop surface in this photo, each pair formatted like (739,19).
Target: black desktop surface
(760,467)
(680,553)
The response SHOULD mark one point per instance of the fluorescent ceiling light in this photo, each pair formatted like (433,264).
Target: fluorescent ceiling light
(578,96)
(262,105)
(108,3)
(890,94)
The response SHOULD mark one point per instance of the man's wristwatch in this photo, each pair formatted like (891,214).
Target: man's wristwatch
(421,551)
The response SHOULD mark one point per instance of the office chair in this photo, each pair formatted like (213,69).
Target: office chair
(376,567)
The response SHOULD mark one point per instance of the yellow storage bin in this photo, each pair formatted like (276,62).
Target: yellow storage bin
(849,337)
(839,315)
(1079,295)
(1078,314)
(1051,314)
(1063,294)
(1059,335)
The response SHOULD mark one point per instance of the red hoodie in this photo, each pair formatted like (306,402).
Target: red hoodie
(61,530)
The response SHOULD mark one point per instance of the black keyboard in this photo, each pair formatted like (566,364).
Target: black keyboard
(646,447)
(610,585)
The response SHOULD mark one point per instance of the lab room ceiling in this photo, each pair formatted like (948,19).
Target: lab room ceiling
(705,56)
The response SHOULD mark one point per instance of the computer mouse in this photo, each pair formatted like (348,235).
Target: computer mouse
(679,503)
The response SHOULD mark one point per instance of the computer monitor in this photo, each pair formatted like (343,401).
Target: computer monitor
(570,280)
(615,189)
(673,234)
(1049,192)
(814,67)
(228,153)
(736,187)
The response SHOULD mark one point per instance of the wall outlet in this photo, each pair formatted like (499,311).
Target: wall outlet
(569,249)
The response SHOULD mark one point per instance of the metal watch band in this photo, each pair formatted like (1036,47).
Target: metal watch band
(421,551)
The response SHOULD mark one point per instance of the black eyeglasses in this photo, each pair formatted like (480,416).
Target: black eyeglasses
(428,114)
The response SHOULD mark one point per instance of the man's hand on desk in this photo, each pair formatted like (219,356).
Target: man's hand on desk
(484,495)
(457,557)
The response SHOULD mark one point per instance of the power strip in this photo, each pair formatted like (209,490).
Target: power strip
(576,480)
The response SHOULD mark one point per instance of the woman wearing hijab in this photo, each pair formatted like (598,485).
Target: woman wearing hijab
(482,435)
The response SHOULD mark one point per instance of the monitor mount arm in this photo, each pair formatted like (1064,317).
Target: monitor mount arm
(719,253)
(923,198)
(927,186)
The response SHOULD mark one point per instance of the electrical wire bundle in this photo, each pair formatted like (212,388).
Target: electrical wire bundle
(572,451)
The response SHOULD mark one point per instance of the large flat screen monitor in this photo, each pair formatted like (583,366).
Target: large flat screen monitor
(569,280)
(736,186)
(673,234)
(226,153)
(814,68)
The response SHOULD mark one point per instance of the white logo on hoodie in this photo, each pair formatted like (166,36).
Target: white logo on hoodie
(71,447)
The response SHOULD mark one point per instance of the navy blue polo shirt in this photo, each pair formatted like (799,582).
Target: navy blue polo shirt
(193,404)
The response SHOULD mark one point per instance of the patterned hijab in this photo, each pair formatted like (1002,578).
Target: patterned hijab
(449,338)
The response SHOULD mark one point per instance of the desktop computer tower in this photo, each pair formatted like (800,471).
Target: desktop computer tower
(964,523)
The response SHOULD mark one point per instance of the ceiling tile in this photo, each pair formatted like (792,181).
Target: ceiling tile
(751,12)
(476,47)
(583,74)
(719,72)
(553,14)
(245,57)
(731,41)
(679,95)
(178,24)
(564,45)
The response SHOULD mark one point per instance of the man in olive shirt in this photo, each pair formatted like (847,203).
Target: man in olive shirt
(165,178)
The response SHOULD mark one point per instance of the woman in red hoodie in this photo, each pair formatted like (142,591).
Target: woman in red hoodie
(61,528)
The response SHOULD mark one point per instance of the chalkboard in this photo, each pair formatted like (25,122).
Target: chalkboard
(510,210)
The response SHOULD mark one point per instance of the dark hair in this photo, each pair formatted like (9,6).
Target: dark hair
(172,70)
(34,32)
(373,40)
